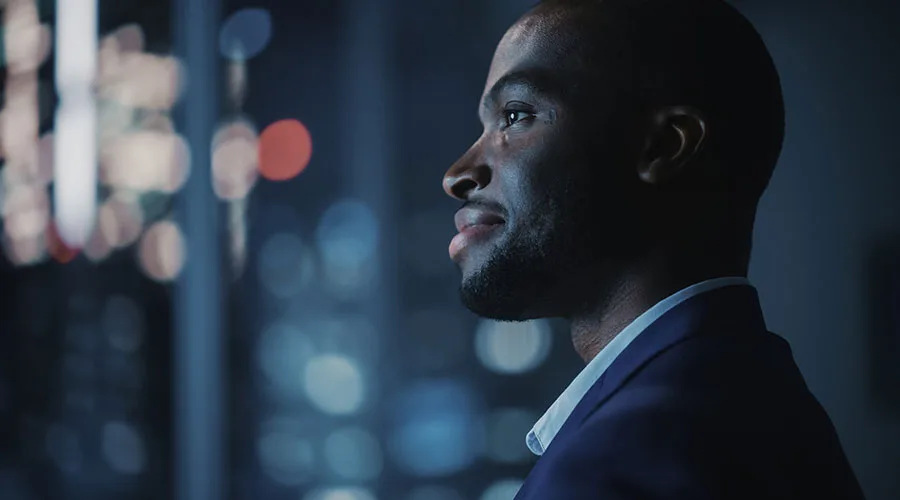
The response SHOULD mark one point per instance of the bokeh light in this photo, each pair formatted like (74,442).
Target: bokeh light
(133,78)
(342,493)
(347,238)
(145,160)
(56,247)
(504,489)
(235,160)
(26,42)
(334,384)
(26,251)
(512,347)
(285,148)
(353,453)
(162,251)
(506,429)
(286,452)
(282,352)
(26,211)
(350,335)
(437,431)
(120,221)
(245,34)
(123,448)
(286,265)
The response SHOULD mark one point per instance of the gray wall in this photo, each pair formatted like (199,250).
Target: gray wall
(833,196)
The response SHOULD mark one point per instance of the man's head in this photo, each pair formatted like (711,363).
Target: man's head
(615,132)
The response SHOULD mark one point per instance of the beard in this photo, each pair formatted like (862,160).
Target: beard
(535,270)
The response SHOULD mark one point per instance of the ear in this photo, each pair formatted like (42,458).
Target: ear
(676,136)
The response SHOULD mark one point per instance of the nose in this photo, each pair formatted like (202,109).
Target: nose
(468,175)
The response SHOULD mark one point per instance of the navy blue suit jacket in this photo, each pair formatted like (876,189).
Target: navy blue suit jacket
(704,404)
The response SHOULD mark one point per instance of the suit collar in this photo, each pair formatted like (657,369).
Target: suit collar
(728,308)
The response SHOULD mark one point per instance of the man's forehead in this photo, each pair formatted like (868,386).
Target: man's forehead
(523,44)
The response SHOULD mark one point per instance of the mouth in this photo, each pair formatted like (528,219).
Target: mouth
(474,226)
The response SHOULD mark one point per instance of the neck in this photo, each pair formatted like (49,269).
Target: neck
(638,289)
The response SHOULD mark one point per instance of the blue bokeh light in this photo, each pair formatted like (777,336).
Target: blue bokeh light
(245,34)
(437,431)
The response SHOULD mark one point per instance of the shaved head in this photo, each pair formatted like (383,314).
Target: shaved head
(621,137)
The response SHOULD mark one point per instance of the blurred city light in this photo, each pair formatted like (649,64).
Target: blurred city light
(353,453)
(245,34)
(347,238)
(145,160)
(123,448)
(120,221)
(345,493)
(282,354)
(162,251)
(235,160)
(512,347)
(285,148)
(286,452)
(75,135)
(334,384)
(436,429)
(26,42)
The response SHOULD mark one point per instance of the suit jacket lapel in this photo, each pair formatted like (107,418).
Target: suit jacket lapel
(730,308)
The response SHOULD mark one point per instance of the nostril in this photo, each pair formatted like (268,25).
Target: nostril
(463,187)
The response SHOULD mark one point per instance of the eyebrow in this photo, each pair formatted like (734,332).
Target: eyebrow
(534,80)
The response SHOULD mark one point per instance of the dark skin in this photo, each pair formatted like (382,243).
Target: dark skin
(585,220)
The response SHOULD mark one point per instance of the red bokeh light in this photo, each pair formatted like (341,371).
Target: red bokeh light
(57,248)
(285,148)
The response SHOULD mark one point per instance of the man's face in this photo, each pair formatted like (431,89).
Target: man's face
(539,219)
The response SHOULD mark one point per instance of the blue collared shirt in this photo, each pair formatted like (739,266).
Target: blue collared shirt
(543,432)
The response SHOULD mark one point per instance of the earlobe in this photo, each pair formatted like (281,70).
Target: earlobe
(676,137)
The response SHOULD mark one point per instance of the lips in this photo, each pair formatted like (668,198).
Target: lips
(474,225)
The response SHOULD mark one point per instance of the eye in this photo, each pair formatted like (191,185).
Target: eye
(514,116)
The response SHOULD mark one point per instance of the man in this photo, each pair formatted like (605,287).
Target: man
(626,144)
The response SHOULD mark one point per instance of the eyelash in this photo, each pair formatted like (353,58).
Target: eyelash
(508,112)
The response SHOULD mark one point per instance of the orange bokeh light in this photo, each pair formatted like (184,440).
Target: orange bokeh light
(57,248)
(285,148)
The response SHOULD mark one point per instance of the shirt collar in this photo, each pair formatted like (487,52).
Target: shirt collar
(543,432)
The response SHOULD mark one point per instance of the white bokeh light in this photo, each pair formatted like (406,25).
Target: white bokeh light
(334,384)
(504,489)
(512,347)
(354,454)
(75,136)
(342,493)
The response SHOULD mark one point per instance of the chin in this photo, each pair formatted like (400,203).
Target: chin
(508,297)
